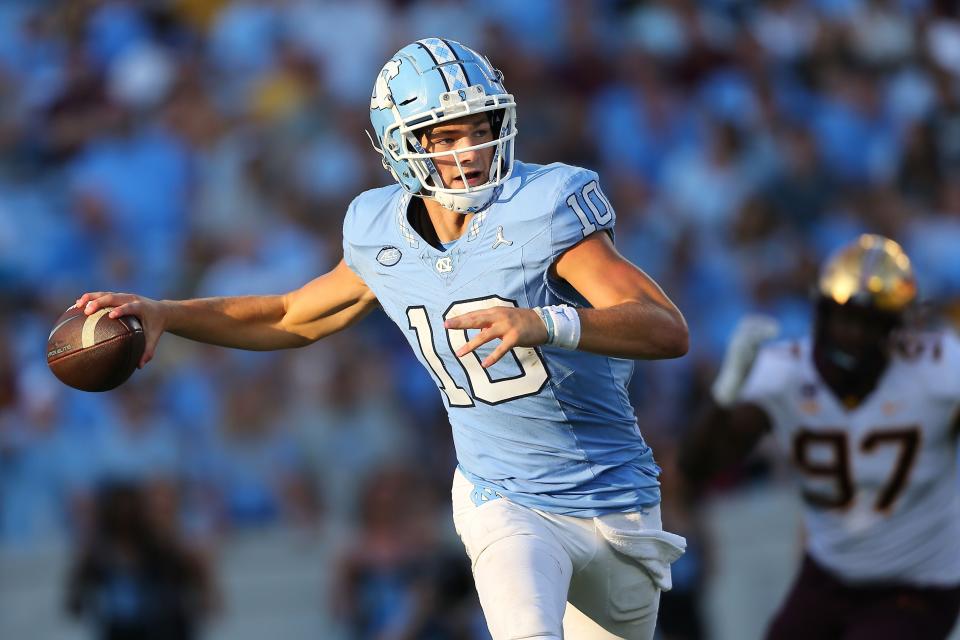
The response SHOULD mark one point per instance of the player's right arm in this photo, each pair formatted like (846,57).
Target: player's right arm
(721,437)
(730,427)
(325,305)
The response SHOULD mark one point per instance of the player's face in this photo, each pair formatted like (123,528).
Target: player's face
(457,135)
(856,335)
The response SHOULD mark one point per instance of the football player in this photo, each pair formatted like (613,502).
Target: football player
(867,412)
(504,278)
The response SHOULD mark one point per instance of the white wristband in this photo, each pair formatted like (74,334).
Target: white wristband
(563,325)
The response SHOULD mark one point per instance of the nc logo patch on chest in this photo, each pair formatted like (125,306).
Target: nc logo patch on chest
(389,256)
(445,265)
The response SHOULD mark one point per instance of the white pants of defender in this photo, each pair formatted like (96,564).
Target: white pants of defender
(541,575)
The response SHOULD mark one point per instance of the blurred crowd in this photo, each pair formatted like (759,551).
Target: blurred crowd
(181,148)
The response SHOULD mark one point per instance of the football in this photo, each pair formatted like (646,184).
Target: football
(95,352)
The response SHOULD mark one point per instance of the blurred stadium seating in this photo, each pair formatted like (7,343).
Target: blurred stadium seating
(197,147)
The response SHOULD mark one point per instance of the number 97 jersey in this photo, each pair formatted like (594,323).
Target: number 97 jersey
(879,481)
(548,428)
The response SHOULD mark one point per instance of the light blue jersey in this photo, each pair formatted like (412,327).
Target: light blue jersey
(548,428)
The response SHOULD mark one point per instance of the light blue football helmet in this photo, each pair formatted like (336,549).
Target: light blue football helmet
(432,81)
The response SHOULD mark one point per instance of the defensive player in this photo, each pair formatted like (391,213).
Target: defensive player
(504,278)
(868,413)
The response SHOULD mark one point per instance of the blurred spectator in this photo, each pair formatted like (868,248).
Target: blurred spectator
(786,29)
(133,578)
(705,185)
(397,581)
(259,469)
(639,118)
(133,184)
(33,485)
(340,409)
(362,37)
(932,238)
(800,188)
(856,136)
(138,443)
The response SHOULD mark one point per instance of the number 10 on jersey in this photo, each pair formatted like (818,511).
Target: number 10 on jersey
(533,372)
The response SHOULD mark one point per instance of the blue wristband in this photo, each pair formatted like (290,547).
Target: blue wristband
(548,323)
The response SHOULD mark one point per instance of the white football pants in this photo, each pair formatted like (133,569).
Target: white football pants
(541,575)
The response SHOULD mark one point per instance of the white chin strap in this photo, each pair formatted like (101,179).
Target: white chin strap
(463,202)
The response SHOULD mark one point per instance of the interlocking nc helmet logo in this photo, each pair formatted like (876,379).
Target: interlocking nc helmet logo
(444,264)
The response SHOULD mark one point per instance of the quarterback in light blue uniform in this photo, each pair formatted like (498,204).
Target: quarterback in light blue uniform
(549,428)
(504,278)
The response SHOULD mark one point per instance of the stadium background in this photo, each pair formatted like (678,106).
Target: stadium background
(209,147)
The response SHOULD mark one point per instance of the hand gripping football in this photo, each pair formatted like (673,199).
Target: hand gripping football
(95,352)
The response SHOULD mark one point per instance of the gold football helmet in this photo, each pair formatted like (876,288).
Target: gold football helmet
(872,271)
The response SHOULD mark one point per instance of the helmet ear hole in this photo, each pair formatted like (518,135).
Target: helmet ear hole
(496,118)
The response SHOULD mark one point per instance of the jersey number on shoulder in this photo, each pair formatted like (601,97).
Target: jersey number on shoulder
(596,202)
(530,380)
(837,465)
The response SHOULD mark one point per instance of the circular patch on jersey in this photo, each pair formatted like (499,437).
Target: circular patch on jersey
(389,256)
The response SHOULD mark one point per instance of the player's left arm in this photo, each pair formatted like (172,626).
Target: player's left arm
(631,316)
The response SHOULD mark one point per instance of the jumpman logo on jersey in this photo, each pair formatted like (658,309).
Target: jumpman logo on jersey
(500,239)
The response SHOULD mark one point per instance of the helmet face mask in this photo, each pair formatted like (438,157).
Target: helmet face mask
(854,338)
(864,292)
(432,82)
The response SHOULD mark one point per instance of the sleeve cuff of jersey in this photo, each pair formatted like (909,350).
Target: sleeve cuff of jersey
(348,260)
